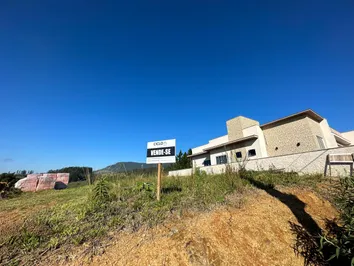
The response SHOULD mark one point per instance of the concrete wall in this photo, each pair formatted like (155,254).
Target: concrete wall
(237,124)
(307,162)
(199,160)
(282,137)
(199,148)
(230,151)
(327,134)
(349,136)
(316,131)
(260,144)
(219,140)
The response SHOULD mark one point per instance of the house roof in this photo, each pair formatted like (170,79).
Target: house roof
(231,142)
(307,112)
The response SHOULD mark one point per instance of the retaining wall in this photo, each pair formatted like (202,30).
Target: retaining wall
(304,163)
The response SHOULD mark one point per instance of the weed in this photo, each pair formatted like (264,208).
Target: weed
(84,214)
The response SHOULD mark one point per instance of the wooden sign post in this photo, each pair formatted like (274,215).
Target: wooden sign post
(158,181)
(159,152)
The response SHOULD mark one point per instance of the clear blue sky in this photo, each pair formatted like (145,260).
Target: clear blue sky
(90,82)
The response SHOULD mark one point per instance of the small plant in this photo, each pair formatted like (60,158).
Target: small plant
(29,240)
(339,242)
(101,191)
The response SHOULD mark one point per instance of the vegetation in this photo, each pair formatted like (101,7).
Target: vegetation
(182,161)
(85,214)
(7,185)
(125,167)
(77,173)
(337,245)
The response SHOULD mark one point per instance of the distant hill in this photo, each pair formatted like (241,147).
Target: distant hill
(125,167)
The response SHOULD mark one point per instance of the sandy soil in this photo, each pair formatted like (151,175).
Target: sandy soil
(258,233)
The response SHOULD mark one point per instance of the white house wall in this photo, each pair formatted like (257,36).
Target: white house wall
(198,160)
(260,144)
(219,140)
(199,148)
(349,136)
(327,134)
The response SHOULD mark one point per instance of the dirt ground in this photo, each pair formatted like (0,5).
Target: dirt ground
(258,233)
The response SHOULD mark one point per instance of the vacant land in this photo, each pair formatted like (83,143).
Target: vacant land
(201,220)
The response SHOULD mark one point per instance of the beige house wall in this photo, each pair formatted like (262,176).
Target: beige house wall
(316,131)
(236,125)
(285,135)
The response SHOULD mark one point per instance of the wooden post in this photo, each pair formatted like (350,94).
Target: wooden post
(158,181)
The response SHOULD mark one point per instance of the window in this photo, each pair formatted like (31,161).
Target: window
(321,142)
(252,153)
(206,163)
(238,154)
(221,159)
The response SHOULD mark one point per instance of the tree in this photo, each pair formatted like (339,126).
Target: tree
(182,160)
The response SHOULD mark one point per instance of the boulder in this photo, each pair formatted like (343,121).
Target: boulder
(45,182)
(37,182)
(28,183)
(63,177)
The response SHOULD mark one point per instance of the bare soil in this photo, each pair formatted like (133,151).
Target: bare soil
(257,233)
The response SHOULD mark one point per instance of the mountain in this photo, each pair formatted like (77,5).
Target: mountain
(126,167)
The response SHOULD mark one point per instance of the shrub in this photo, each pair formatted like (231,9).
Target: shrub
(101,191)
(339,242)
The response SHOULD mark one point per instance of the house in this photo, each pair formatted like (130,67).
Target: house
(247,139)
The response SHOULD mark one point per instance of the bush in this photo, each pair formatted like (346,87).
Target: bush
(338,244)
(7,185)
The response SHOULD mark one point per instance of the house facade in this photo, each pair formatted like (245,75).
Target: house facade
(247,139)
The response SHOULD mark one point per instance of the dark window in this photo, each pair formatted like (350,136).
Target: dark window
(298,144)
(221,159)
(206,163)
(251,153)
(276,148)
(238,154)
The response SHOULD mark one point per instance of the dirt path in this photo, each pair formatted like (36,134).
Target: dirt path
(256,234)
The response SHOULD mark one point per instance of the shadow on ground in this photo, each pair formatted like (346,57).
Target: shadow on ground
(307,233)
(168,190)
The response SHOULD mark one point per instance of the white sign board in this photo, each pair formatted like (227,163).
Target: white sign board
(163,151)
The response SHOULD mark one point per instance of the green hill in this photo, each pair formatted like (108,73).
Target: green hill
(126,167)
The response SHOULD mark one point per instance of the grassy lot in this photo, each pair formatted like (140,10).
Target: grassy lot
(81,214)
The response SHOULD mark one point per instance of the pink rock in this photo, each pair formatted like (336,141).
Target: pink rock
(45,182)
(37,182)
(53,176)
(63,177)
(27,184)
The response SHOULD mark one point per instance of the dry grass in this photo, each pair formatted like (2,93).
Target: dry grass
(258,233)
(72,227)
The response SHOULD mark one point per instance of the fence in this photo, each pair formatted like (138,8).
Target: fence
(303,163)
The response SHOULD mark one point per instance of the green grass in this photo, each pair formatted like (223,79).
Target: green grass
(30,200)
(84,214)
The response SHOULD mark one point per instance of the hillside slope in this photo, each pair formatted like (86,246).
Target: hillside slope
(125,166)
(258,233)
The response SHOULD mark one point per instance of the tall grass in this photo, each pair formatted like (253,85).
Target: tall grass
(120,202)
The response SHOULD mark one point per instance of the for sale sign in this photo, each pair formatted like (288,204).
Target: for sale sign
(163,151)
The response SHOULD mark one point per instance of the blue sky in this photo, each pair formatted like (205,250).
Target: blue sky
(90,82)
